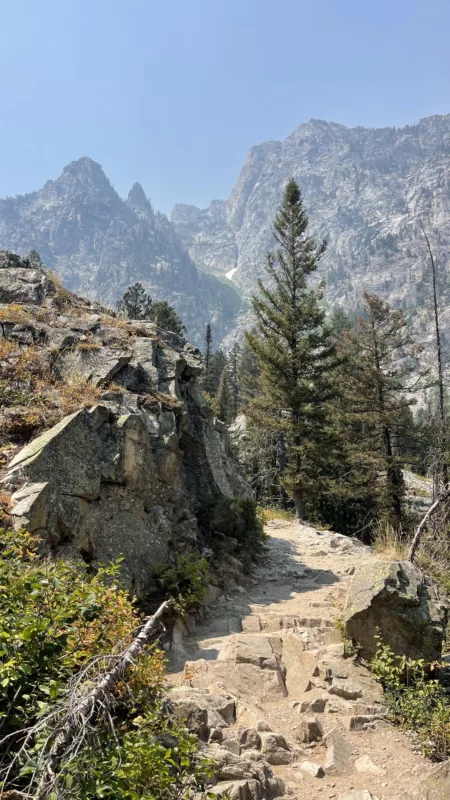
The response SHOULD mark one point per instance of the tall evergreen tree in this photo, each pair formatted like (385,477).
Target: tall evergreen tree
(136,303)
(218,363)
(233,362)
(206,379)
(224,397)
(247,374)
(294,349)
(378,379)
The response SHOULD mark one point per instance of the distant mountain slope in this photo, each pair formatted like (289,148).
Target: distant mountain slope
(366,191)
(99,244)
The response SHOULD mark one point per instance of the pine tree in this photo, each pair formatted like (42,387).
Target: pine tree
(378,377)
(218,362)
(166,318)
(136,303)
(206,381)
(224,397)
(294,349)
(247,374)
(233,362)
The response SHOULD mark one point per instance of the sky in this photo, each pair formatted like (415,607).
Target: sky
(174,93)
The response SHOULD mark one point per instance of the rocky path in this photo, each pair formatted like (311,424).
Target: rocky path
(264,681)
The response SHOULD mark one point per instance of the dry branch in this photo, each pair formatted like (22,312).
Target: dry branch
(78,716)
(418,534)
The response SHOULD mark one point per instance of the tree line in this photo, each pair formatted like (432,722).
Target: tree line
(328,402)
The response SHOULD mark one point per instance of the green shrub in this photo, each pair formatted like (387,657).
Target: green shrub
(238,519)
(185,580)
(155,759)
(351,648)
(416,701)
(56,619)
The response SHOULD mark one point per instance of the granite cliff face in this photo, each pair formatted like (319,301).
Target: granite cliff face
(98,244)
(126,473)
(366,192)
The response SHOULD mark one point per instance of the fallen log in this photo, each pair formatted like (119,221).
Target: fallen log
(81,713)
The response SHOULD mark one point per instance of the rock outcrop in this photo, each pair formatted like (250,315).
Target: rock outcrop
(396,599)
(126,475)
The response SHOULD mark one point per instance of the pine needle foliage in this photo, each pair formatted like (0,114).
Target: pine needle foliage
(378,380)
(294,348)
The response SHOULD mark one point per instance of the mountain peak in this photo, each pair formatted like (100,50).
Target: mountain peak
(83,167)
(89,174)
(136,196)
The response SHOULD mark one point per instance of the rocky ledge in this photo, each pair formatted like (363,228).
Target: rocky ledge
(126,472)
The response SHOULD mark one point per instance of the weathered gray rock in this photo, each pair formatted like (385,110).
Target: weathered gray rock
(31,505)
(275,749)
(234,790)
(274,787)
(311,730)
(22,285)
(434,786)
(339,751)
(398,599)
(99,365)
(365,764)
(347,689)
(316,706)
(315,770)
(67,456)
(299,664)
(249,739)
(126,477)
(192,715)
(256,650)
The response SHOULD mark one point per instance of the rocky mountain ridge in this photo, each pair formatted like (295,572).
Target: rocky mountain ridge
(366,191)
(99,244)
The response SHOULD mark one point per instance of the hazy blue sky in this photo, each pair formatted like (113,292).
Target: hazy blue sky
(173,93)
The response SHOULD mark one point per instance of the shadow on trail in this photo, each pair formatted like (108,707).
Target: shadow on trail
(278,576)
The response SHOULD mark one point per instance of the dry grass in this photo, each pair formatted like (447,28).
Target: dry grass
(116,322)
(14,312)
(87,346)
(31,397)
(154,398)
(78,393)
(388,543)
(269,514)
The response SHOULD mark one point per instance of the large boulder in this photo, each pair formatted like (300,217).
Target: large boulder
(398,601)
(67,456)
(20,283)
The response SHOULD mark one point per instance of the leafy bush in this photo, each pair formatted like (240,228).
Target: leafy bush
(238,519)
(55,619)
(416,701)
(185,580)
(158,761)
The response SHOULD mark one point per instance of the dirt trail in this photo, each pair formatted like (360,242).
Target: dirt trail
(271,646)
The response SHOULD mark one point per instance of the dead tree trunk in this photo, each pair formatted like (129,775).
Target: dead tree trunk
(418,534)
(77,717)
(442,443)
